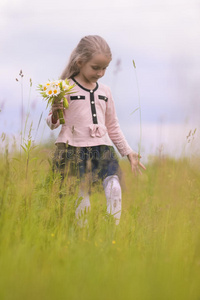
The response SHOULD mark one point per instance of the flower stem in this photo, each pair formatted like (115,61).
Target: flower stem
(140,141)
(61,117)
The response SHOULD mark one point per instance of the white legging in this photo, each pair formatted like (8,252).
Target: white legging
(113,195)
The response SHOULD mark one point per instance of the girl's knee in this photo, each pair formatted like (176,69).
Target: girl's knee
(112,186)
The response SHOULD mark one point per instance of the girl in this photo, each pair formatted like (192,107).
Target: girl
(84,142)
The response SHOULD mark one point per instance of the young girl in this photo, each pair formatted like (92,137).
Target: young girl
(84,142)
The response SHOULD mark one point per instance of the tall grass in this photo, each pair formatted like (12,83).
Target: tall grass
(154,253)
(138,108)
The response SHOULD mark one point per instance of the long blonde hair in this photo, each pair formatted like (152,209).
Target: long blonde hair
(87,47)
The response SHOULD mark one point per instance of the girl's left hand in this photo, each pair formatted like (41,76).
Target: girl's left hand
(135,163)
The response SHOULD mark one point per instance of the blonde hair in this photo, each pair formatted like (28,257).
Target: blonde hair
(87,47)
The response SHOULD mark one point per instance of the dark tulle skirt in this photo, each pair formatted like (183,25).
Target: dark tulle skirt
(97,161)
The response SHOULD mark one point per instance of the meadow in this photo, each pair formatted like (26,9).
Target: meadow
(154,253)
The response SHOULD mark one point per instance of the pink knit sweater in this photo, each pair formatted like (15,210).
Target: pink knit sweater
(91,120)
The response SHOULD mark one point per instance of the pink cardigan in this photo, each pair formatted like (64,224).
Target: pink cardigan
(91,120)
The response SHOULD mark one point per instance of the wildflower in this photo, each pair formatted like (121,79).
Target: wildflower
(113,242)
(56,91)
(52,234)
(49,92)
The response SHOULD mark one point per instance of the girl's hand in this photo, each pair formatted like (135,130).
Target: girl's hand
(55,107)
(135,163)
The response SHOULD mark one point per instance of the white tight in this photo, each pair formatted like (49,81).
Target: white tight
(113,195)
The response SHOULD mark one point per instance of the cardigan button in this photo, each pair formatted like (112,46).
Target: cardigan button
(79,97)
(94,115)
(91,91)
(92,102)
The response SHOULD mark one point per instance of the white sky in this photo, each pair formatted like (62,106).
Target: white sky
(162,36)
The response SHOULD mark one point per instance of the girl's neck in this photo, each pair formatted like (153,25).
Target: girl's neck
(84,83)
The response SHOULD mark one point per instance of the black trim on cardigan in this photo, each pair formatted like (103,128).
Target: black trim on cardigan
(77,97)
(83,86)
(103,98)
(92,100)
(93,108)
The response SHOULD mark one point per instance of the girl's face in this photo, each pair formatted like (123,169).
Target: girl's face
(94,69)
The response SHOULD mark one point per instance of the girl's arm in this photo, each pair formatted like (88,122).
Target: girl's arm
(53,118)
(114,130)
(118,138)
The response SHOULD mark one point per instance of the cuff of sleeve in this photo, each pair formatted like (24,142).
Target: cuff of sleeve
(50,124)
(124,149)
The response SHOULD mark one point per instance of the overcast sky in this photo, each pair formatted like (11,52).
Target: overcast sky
(162,36)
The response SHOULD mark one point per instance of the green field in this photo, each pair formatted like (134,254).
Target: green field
(154,253)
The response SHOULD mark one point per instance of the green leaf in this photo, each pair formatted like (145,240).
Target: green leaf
(134,64)
(65,103)
(24,148)
(29,144)
(135,110)
(17,159)
(34,158)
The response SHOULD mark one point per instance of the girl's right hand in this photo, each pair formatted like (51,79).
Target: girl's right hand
(55,107)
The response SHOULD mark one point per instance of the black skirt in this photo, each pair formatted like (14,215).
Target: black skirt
(97,161)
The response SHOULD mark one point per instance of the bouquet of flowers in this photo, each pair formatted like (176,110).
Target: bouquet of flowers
(55,91)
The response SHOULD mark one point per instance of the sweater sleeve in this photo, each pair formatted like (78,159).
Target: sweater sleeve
(114,131)
(49,122)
